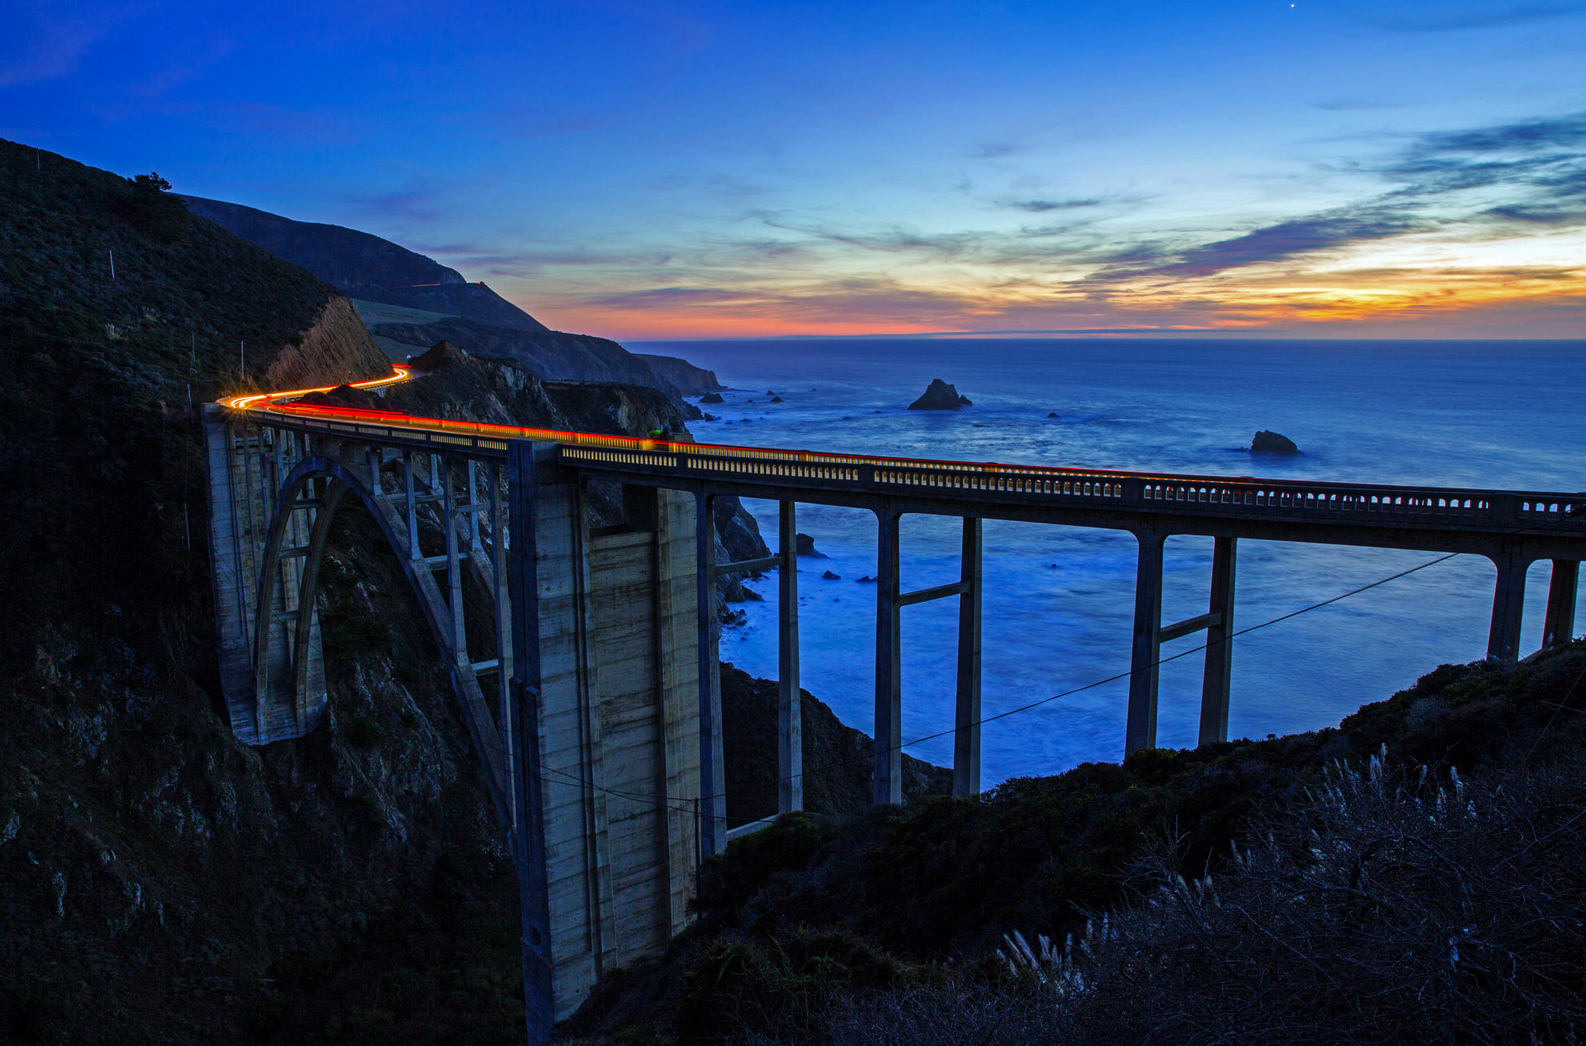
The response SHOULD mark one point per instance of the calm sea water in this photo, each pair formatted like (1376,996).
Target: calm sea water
(1059,600)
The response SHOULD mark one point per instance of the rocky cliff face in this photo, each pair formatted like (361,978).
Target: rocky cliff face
(549,354)
(687,378)
(335,349)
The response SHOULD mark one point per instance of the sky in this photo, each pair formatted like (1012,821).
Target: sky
(656,170)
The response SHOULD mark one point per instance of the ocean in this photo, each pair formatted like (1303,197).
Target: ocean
(1059,601)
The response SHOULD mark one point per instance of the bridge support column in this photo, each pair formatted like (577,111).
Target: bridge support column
(888,774)
(1219,644)
(1508,606)
(1140,727)
(789,713)
(454,574)
(498,563)
(712,768)
(411,503)
(527,839)
(966,718)
(1559,625)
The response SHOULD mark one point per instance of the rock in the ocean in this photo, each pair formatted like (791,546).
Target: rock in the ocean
(711,397)
(1053,414)
(940,396)
(776,399)
(805,546)
(829,576)
(866,578)
(1272,443)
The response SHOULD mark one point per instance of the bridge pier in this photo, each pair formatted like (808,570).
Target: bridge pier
(966,716)
(712,804)
(789,709)
(1508,605)
(1559,626)
(1219,643)
(1140,723)
(1150,634)
(888,774)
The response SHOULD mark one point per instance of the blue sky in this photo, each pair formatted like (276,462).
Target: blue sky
(693,170)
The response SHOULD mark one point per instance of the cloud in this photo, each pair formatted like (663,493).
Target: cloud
(1042,206)
(1441,22)
(1322,232)
(56,48)
(1438,181)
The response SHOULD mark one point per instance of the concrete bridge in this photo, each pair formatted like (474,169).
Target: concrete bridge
(591,690)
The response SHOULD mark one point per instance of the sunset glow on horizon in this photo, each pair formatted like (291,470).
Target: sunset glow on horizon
(688,171)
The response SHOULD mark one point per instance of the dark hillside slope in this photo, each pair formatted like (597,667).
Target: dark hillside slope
(365,266)
(98,373)
(159,882)
(474,317)
(811,918)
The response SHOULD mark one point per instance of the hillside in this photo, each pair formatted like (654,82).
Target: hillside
(159,881)
(1411,875)
(364,266)
(444,306)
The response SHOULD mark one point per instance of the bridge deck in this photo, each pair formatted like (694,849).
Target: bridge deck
(1375,514)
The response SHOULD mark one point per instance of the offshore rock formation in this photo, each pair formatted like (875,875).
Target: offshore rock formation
(1265,442)
(806,547)
(940,396)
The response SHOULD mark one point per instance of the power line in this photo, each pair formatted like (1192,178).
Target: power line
(1469,550)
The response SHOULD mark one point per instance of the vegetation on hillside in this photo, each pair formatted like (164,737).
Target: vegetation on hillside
(886,927)
(159,881)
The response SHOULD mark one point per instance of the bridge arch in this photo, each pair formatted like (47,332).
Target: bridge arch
(291,660)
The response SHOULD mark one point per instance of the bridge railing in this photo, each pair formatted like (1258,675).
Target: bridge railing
(1243,495)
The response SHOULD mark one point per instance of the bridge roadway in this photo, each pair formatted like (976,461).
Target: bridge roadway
(540,473)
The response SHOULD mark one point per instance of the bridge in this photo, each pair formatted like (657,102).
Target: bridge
(590,688)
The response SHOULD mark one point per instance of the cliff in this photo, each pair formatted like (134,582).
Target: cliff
(549,354)
(470,315)
(687,378)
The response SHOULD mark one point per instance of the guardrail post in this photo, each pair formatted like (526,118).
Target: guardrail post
(1140,727)
(1219,644)
(1559,625)
(888,775)
(966,719)
(789,714)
